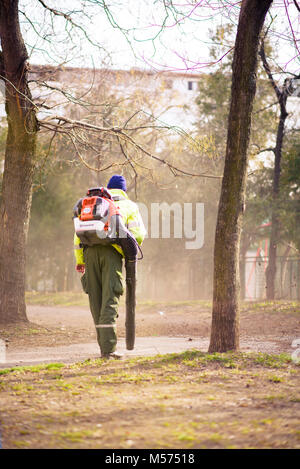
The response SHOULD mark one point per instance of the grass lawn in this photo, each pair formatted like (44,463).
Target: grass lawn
(188,400)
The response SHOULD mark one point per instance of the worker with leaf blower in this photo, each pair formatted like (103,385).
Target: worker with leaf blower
(108,227)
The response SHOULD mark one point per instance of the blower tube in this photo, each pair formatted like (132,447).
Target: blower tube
(130,248)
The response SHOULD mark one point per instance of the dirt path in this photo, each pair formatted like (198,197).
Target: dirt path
(67,333)
(192,400)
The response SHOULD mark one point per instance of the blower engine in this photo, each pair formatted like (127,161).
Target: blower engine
(97,220)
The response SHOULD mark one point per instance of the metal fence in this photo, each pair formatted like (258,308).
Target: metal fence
(194,281)
(287,279)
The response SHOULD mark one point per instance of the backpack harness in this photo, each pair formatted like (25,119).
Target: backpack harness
(97,220)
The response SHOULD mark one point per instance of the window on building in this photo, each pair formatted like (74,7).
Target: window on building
(190,85)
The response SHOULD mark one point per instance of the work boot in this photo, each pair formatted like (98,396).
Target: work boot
(112,356)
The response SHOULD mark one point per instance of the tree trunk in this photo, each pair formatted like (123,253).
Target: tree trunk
(282,96)
(275,227)
(283,270)
(18,167)
(225,314)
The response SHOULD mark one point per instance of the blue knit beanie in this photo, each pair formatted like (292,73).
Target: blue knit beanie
(117,182)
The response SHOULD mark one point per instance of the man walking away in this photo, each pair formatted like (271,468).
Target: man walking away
(102,269)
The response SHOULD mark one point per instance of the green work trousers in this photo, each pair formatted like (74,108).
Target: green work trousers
(103,283)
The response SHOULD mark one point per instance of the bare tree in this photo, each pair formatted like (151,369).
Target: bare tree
(282,94)
(19,164)
(225,314)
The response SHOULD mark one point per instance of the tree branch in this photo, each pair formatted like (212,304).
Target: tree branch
(266,149)
(296,5)
(70,20)
(69,126)
(268,71)
(264,108)
(26,98)
(132,166)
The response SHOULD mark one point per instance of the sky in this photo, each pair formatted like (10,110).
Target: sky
(130,34)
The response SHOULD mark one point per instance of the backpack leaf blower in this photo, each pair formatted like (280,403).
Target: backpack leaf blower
(97,220)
